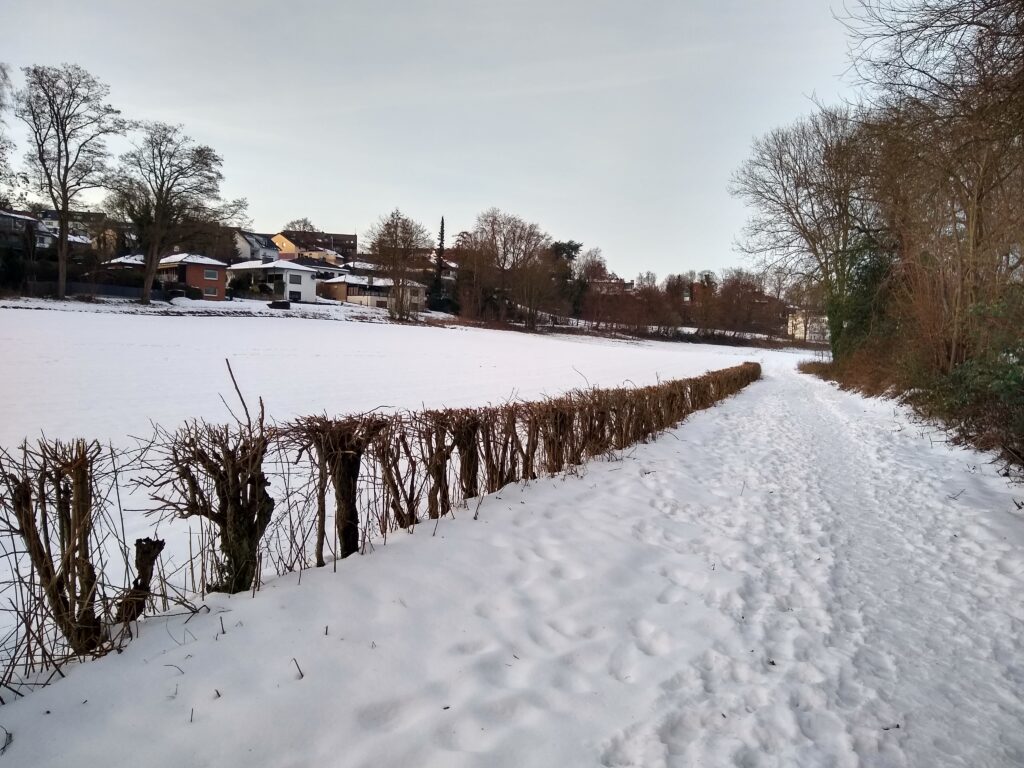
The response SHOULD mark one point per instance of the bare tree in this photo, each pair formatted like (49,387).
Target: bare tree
(395,241)
(300,225)
(950,192)
(69,120)
(589,267)
(6,145)
(477,279)
(963,53)
(168,186)
(804,185)
(514,246)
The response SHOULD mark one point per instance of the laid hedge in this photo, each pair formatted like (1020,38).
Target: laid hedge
(277,496)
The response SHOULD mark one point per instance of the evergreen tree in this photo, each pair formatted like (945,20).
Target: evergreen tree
(436,295)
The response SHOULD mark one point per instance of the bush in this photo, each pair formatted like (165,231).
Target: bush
(984,399)
(216,473)
(241,283)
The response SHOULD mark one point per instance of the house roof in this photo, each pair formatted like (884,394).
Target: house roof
(318,240)
(367,266)
(190,258)
(257,240)
(318,265)
(280,264)
(132,260)
(21,216)
(378,282)
(92,216)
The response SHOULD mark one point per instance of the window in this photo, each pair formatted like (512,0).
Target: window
(294,296)
(295,279)
(209,274)
(209,291)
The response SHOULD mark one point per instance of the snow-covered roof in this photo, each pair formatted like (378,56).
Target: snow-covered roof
(365,265)
(132,260)
(190,258)
(382,282)
(282,264)
(22,217)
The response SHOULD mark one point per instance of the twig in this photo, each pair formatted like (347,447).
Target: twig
(248,418)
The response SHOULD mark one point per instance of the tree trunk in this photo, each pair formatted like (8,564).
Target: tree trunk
(147,550)
(321,508)
(152,262)
(345,485)
(62,255)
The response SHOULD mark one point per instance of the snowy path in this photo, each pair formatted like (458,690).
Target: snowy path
(799,577)
(875,620)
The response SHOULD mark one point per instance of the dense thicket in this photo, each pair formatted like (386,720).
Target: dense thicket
(907,211)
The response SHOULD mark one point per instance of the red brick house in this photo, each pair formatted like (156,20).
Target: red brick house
(201,272)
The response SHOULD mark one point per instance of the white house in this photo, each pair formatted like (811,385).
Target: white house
(282,279)
(807,326)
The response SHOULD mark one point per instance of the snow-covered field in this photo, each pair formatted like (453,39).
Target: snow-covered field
(797,577)
(107,375)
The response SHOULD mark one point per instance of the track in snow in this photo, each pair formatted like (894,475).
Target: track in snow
(876,620)
(798,577)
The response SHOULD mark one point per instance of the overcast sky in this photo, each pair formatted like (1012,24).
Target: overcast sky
(613,123)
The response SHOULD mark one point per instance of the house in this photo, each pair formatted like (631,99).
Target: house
(370,291)
(254,247)
(130,261)
(281,279)
(15,225)
(361,268)
(200,272)
(82,225)
(325,246)
(324,269)
(806,325)
(117,237)
(613,286)
(449,270)
(425,264)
